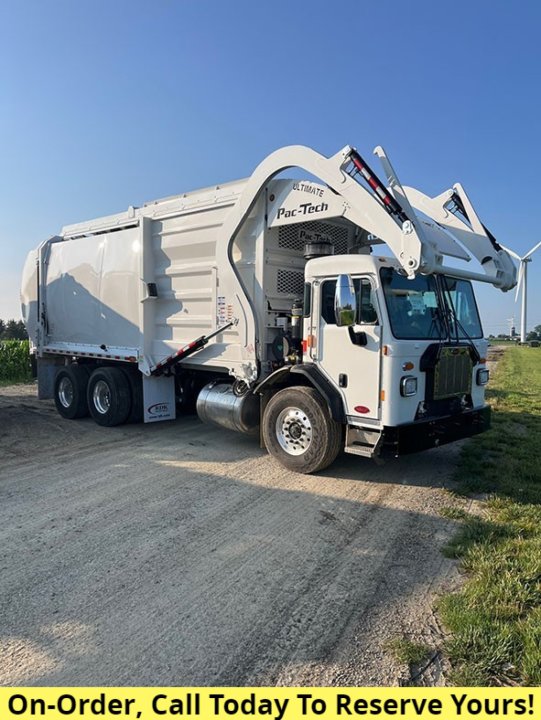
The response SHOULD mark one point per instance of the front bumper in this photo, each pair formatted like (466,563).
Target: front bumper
(426,434)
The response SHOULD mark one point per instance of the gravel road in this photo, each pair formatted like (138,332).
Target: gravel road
(178,554)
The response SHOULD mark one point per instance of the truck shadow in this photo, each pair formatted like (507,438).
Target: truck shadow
(148,566)
(432,468)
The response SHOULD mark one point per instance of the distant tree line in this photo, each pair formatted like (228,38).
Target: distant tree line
(13,330)
(534,334)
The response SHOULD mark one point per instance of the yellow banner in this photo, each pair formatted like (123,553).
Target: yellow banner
(270,703)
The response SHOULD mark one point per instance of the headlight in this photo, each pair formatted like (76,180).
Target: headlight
(482,376)
(408,386)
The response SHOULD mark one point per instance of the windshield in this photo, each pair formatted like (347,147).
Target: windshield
(459,297)
(416,312)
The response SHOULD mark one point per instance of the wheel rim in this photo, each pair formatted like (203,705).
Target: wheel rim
(65,392)
(293,431)
(101,395)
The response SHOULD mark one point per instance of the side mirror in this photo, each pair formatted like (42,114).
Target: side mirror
(345,302)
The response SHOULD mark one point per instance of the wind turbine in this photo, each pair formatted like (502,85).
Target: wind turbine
(523,278)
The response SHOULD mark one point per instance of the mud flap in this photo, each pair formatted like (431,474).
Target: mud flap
(46,371)
(159,398)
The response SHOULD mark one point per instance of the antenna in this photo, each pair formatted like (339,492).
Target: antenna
(523,279)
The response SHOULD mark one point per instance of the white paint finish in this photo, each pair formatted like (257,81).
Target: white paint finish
(361,364)
(119,289)
(159,398)
(214,243)
(72,293)
(497,265)
(92,290)
(336,354)
(292,201)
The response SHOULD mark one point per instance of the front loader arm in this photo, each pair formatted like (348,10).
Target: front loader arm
(361,207)
(470,231)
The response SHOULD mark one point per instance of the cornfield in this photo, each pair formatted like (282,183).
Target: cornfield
(14,361)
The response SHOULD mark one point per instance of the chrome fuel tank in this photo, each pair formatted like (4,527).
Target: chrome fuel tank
(217,404)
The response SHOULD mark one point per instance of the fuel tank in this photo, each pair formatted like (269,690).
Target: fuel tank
(217,404)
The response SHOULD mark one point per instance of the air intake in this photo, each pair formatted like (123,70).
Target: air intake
(319,248)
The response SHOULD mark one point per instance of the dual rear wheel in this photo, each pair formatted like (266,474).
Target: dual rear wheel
(111,395)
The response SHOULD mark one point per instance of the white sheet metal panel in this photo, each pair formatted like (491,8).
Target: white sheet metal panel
(299,201)
(92,291)
(119,289)
(72,292)
(184,250)
(196,294)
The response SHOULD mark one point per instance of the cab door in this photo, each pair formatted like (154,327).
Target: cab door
(354,368)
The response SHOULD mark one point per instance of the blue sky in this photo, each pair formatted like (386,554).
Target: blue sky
(106,104)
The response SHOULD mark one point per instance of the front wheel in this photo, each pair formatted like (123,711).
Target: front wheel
(299,431)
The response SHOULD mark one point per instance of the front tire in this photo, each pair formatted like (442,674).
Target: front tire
(299,431)
(109,396)
(70,391)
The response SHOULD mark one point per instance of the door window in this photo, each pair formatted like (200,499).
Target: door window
(366,305)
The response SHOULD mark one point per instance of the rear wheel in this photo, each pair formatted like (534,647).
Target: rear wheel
(109,396)
(70,391)
(135,381)
(299,432)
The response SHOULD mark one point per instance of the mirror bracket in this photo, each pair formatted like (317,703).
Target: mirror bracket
(357,337)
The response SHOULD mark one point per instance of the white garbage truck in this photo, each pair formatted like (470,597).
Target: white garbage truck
(264,305)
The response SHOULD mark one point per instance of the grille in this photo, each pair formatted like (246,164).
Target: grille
(290,237)
(290,282)
(453,373)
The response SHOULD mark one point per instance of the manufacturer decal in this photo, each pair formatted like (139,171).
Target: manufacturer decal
(312,189)
(303,209)
(314,237)
(158,409)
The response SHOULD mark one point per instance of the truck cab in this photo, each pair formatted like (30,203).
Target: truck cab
(412,351)
(404,359)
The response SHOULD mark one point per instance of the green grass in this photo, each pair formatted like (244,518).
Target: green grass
(14,362)
(495,620)
(407,651)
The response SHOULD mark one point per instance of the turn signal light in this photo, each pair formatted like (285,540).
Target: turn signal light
(407,366)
